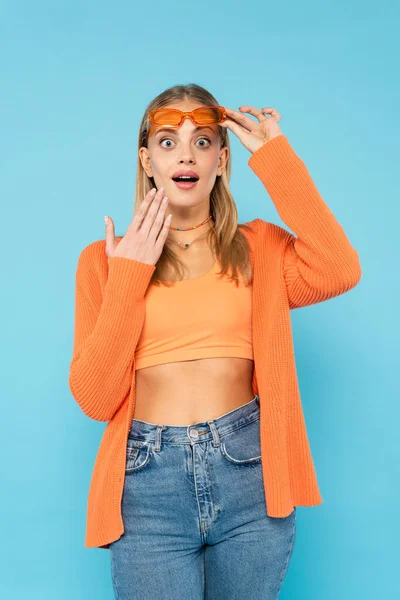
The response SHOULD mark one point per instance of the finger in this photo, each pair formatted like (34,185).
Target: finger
(162,236)
(256,112)
(237,129)
(273,112)
(242,119)
(143,207)
(110,236)
(151,214)
(159,219)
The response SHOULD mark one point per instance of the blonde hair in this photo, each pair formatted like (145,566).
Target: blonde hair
(227,242)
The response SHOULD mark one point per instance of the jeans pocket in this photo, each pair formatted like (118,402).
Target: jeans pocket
(242,446)
(138,455)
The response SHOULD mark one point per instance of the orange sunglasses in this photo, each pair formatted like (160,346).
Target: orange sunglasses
(204,115)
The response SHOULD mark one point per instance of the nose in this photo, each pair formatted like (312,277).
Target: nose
(186,149)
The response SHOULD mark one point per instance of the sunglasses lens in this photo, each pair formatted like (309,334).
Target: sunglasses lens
(207,115)
(165,116)
(203,116)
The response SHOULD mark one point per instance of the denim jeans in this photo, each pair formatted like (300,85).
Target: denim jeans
(194,514)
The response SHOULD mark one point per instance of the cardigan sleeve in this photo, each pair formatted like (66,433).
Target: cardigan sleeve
(319,261)
(106,331)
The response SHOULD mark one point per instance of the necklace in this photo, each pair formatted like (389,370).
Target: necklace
(187,244)
(189,228)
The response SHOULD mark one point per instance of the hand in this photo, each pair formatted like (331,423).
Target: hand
(253,135)
(140,241)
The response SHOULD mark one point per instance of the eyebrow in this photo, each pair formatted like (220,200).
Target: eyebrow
(174,130)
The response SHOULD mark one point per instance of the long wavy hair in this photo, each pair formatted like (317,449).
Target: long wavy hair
(226,241)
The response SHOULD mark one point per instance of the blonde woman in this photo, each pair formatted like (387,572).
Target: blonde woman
(183,345)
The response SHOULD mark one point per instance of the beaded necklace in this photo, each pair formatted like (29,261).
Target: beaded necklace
(187,244)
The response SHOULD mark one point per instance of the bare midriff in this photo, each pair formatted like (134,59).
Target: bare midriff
(186,392)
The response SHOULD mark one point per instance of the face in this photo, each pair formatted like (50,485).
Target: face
(189,147)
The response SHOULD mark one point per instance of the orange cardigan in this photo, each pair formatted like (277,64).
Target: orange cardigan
(289,272)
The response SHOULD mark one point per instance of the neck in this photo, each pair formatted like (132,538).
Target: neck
(198,223)
(199,235)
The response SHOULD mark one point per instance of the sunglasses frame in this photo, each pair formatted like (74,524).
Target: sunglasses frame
(191,115)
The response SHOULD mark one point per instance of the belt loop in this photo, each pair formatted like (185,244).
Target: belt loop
(215,434)
(157,445)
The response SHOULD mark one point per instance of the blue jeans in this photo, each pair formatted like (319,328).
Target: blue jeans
(194,514)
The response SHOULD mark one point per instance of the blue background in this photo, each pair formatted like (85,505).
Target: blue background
(75,79)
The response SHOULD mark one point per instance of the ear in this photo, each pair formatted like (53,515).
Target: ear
(223,158)
(145,160)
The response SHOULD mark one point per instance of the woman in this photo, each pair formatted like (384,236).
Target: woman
(183,344)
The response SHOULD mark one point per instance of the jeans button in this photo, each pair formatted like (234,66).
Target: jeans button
(194,433)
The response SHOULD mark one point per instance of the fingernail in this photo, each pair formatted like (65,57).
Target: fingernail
(106,220)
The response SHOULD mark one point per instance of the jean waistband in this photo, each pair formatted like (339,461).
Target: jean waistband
(197,432)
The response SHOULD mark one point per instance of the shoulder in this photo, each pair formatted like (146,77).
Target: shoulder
(93,259)
(267,232)
(92,254)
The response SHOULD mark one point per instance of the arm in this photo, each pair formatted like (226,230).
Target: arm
(320,262)
(106,331)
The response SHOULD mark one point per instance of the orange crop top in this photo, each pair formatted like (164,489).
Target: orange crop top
(203,317)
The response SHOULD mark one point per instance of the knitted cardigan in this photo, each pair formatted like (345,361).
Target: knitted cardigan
(314,264)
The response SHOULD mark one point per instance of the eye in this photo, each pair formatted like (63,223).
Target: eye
(204,138)
(169,140)
(162,139)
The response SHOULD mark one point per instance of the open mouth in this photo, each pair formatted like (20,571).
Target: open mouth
(185,179)
(185,184)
